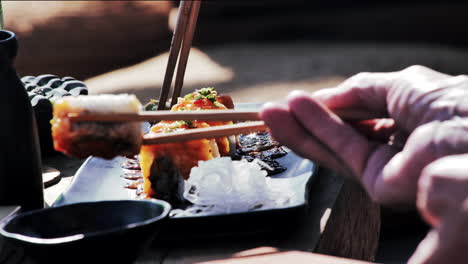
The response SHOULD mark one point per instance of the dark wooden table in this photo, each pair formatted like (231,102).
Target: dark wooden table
(340,220)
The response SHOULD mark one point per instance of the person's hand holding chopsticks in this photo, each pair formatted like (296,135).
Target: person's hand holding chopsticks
(428,114)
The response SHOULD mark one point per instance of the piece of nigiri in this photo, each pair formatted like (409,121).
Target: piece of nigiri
(102,139)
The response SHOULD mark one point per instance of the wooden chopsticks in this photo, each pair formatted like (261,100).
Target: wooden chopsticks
(207,132)
(180,45)
(190,134)
(208,115)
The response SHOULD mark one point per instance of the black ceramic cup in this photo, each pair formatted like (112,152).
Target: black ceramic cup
(91,232)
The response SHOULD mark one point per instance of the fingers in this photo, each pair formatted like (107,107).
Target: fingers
(446,243)
(443,186)
(364,92)
(312,131)
(343,141)
(443,202)
(397,181)
(286,129)
(413,96)
(370,91)
(388,174)
(426,249)
(375,129)
(422,74)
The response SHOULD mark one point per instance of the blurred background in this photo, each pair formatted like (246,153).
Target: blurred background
(254,50)
(246,48)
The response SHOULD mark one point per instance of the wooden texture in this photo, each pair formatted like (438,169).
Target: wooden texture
(354,225)
(205,132)
(177,38)
(218,115)
(185,51)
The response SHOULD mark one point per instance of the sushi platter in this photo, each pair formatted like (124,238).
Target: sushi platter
(101,179)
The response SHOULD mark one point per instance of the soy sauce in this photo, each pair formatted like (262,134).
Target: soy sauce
(20,160)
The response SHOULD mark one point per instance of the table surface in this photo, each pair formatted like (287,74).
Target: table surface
(325,227)
(306,236)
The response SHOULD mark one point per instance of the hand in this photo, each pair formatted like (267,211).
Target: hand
(427,111)
(443,202)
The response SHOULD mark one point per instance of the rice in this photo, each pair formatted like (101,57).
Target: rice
(102,139)
(105,103)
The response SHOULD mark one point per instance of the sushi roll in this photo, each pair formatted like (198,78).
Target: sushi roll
(105,139)
(164,166)
(208,99)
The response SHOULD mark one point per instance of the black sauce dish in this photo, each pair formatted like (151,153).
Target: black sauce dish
(89,232)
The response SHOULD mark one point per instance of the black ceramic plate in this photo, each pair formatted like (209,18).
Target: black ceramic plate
(100,179)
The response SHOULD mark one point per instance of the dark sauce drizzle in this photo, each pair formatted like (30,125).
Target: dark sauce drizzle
(261,146)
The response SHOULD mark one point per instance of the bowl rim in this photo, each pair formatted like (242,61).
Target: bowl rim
(8,35)
(72,238)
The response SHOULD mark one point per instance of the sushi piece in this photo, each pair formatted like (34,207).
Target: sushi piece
(165,166)
(105,139)
(208,99)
